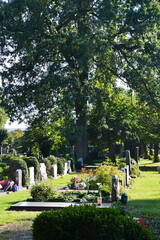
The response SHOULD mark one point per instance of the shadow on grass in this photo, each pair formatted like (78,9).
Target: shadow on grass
(151,206)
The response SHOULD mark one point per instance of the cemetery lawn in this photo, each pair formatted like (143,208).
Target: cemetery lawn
(144,194)
(7,200)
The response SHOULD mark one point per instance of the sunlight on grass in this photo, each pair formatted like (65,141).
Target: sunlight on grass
(7,200)
(144,195)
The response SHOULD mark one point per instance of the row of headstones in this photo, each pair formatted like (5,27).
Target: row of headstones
(127,171)
(43,172)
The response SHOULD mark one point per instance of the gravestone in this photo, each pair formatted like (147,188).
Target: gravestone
(65,168)
(115,188)
(137,154)
(128,160)
(19,178)
(80,162)
(54,170)
(69,167)
(126,169)
(31,176)
(43,172)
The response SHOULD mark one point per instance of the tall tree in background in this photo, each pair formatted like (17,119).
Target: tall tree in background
(53,53)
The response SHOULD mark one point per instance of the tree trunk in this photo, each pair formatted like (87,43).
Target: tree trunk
(156,148)
(81,145)
(112,151)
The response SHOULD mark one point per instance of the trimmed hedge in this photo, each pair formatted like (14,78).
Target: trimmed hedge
(87,223)
(33,162)
(18,163)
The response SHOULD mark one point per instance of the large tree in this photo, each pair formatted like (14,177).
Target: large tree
(53,53)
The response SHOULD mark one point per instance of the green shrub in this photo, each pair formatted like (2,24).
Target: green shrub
(92,183)
(41,192)
(104,175)
(18,163)
(60,165)
(33,162)
(87,223)
(105,192)
(7,158)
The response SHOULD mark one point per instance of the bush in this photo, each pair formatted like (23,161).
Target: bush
(41,192)
(105,192)
(33,162)
(87,223)
(18,163)
(92,183)
(104,175)
(60,165)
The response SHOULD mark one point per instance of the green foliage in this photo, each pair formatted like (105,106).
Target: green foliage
(104,175)
(3,135)
(92,184)
(87,222)
(60,165)
(41,192)
(105,192)
(18,163)
(135,171)
(33,162)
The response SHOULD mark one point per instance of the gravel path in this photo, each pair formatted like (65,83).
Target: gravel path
(16,231)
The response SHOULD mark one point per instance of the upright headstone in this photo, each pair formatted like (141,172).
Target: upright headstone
(69,167)
(126,169)
(80,162)
(115,188)
(137,154)
(128,160)
(43,172)
(65,168)
(31,176)
(19,178)
(54,170)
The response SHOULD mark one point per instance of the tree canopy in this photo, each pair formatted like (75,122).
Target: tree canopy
(54,52)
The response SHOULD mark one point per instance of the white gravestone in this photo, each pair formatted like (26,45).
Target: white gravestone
(69,167)
(19,178)
(43,172)
(54,170)
(65,168)
(31,176)
(128,160)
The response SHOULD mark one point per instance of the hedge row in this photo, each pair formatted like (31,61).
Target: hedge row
(11,164)
(87,223)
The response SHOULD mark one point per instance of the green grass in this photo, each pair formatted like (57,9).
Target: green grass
(7,200)
(147,162)
(144,195)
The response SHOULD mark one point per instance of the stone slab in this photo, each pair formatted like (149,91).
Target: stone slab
(47,206)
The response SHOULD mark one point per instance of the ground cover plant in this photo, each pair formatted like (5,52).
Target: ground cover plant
(77,223)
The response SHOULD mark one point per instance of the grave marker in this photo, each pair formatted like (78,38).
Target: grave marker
(19,178)
(115,188)
(54,170)
(31,176)
(43,172)
(128,160)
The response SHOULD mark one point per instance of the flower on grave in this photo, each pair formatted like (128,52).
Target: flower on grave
(142,222)
(75,179)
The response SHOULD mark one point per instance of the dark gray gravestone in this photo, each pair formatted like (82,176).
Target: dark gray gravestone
(128,160)
(137,154)
(126,169)
(115,188)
